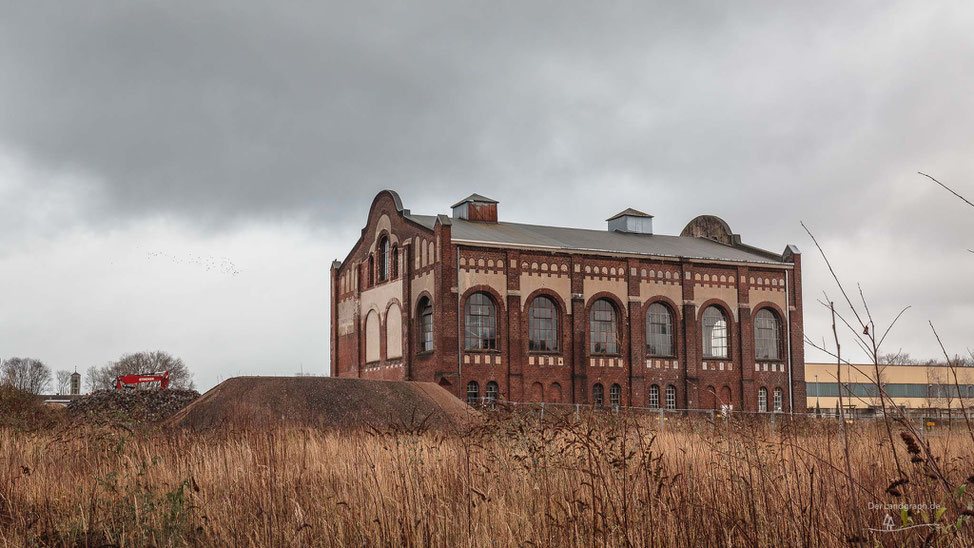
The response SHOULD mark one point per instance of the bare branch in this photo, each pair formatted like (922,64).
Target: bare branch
(834,275)
(948,190)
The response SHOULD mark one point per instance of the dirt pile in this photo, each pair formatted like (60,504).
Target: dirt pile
(131,405)
(343,404)
(19,409)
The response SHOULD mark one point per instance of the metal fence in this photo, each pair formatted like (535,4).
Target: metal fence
(924,420)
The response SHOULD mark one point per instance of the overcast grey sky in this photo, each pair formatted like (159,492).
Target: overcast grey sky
(179,176)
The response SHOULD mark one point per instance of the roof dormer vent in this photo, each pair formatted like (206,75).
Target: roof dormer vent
(632,221)
(476,208)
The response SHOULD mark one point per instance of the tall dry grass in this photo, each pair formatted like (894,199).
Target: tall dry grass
(601,480)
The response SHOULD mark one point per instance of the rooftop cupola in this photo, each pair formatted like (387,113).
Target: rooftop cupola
(631,220)
(476,208)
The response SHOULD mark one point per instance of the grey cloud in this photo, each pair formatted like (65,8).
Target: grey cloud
(218,113)
(237,109)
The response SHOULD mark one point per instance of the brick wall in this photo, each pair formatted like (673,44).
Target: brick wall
(512,278)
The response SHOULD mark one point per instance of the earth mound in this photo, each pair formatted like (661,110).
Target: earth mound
(20,409)
(131,405)
(327,402)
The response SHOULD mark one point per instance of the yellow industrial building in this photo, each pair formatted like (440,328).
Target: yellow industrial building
(909,386)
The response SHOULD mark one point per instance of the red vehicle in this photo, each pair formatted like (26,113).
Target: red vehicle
(132,381)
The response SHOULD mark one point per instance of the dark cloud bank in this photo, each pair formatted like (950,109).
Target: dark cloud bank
(214,114)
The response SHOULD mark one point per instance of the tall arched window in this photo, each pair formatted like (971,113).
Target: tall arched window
(763,400)
(473,393)
(654,396)
(714,333)
(490,394)
(383,259)
(778,403)
(394,258)
(425,310)
(542,325)
(659,330)
(603,329)
(480,323)
(767,335)
(598,395)
(394,332)
(371,276)
(615,395)
(372,330)
(671,397)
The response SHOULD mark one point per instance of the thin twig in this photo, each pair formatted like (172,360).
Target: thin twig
(948,190)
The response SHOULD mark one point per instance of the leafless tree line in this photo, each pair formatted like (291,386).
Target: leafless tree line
(35,377)
(140,363)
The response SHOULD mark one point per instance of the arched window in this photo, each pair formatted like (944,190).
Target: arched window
(371,276)
(659,330)
(762,400)
(542,325)
(654,396)
(671,397)
(383,259)
(598,395)
(490,394)
(714,333)
(480,323)
(767,335)
(554,394)
(425,325)
(394,257)
(615,395)
(603,328)
(394,332)
(778,404)
(710,395)
(473,393)
(372,330)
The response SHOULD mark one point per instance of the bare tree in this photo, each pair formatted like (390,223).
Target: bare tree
(139,363)
(26,374)
(63,378)
(897,358)
(100,378)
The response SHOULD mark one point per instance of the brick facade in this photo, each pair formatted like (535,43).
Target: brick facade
(429,265)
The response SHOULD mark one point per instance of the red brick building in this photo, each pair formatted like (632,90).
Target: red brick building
(491,309)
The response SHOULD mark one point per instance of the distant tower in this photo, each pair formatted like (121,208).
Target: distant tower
(75,383)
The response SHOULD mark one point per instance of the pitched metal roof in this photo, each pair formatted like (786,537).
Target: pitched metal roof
(580,239)
(629,212)
(475,198)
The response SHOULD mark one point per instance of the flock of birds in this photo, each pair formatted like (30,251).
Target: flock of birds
(221,265)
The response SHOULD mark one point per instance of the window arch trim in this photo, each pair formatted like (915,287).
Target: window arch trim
(422,341)
(383,250)
(675,326)
(782,330)
(546,334)
(621,335)
(499,317)
(731,329)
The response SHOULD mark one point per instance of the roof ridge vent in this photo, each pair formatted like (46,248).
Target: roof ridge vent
(632,221)
(476,208)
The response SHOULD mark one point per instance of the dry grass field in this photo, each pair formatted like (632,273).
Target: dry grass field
(604,480)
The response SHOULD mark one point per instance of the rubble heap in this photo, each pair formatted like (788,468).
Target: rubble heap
(345,404)
(131,405)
